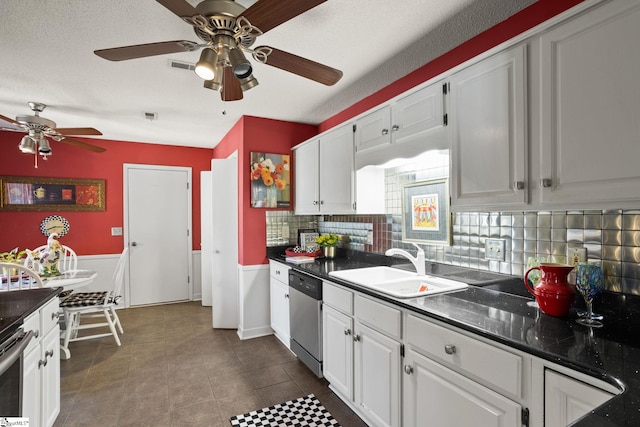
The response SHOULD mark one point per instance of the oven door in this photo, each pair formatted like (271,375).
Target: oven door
(11,351)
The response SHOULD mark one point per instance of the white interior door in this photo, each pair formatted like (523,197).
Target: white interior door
(158,225)
(224,245)
(206,236)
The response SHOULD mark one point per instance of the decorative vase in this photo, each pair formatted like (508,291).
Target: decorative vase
(272,196)
(553,294)
(329,251)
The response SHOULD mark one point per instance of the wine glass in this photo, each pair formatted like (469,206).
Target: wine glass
(589,283)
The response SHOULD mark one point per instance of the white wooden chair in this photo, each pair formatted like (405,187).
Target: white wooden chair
(94,304)
(68,260)
(15,277)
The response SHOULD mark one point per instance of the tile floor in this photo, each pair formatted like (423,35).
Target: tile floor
(173,369)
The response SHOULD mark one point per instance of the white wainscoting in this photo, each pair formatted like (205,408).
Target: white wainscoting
(106,264)
(254,311)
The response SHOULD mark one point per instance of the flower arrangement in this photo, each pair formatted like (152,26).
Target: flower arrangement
(327,240)
(13,256)
(270,173)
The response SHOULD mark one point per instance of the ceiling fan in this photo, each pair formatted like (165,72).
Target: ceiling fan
(228,31)
(40,129)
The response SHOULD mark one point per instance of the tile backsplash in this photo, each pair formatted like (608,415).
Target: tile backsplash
(610,236)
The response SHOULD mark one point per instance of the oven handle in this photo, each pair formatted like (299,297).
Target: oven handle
(9,357)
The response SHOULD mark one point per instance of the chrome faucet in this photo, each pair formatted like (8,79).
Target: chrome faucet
(418,261)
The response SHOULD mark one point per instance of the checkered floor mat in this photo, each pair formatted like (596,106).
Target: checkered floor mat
(305,411)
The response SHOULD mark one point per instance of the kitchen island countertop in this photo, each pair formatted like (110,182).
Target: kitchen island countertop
(610,354)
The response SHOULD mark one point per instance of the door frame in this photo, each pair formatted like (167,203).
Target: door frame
(125,194)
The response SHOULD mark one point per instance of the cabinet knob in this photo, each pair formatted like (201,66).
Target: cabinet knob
(322,202)
(42,363)
(408,369)
(518,185)
(356,337)
(545,182)
(315,203)
(286,295)
(347,331)
(385,131)
(36,333)
(395,128)
(450,349)
(47,354)
(55,315)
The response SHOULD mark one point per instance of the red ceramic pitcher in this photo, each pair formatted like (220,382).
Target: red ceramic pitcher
(553,293)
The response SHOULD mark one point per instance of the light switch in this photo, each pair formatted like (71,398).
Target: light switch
(494,249)
(116,231)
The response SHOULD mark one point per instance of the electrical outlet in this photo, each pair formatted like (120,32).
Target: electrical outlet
(370,237)
(116,231)
(576,255)
(494,249)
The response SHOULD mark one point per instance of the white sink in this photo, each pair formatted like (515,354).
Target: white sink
(398,283)
(368,275)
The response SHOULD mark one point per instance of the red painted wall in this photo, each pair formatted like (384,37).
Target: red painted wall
(526,19)
(254,134)
(90,232)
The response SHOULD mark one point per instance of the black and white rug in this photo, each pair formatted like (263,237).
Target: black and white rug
(305,411)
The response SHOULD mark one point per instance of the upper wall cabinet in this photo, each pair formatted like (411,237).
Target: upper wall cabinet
(590,109)
(405,128)
(324,174)
(488,118)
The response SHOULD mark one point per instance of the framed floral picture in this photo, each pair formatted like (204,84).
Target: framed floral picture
(270,180)
(425,212)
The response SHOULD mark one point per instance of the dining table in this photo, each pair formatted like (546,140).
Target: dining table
(71,280)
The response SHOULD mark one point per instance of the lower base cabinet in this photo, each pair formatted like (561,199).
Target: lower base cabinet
(567,399)
(438,396)
(41,367)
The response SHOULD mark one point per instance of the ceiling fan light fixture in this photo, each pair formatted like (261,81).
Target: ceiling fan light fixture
(44,148)
(27,145)
(216,82)
(205,67)
(239,63)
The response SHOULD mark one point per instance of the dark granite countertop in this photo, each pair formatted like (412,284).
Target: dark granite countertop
(610,353)
(15,306)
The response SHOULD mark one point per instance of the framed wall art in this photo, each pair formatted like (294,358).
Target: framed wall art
(425,212)
(21,193)
(270,180)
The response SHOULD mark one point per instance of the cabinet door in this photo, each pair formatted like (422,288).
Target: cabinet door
(488,158)
(377,377)
(280,310)
(31,386)
(567,399)
(51,377)
(418,114)
(337,350)
(337,172)
(373,131)
(590,107)
(437,396)
(306,170)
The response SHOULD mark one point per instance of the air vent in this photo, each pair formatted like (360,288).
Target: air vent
(151,116)
(187,66)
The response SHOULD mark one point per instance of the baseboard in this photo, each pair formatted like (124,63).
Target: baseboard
(247,334)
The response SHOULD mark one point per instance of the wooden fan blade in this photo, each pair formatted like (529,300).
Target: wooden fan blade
(303,67)
(7,119)
(143,50)
(179,7)
(268,14)
(231,90)
(78,131)
(84,145)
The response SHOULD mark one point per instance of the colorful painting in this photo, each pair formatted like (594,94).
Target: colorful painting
(270,180)
(425,212)
(19,193)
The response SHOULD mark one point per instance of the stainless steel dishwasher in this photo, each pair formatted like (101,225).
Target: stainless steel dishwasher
(305,316)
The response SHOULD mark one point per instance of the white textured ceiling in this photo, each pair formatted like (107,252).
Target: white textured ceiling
(47,56)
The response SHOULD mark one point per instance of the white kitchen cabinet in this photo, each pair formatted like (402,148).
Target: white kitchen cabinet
(279,295)
(324,174)
(590,104)
(404,128)
(361,353)
(489,134)
(438,396)
(41,372)
(567,399)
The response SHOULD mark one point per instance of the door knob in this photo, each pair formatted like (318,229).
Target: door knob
(134,243)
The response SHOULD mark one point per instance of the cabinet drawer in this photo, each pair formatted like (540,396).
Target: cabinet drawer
(337,297)
(497,367)
(380,316)
(279,271)
(49,315)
